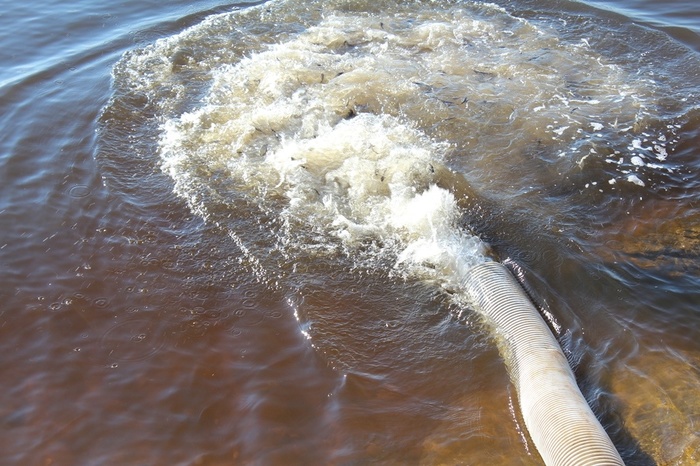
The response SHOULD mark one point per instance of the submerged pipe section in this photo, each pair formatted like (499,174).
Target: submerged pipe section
(561,424)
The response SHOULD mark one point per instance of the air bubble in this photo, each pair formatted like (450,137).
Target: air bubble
(79,191)
(249,303)
(101,302)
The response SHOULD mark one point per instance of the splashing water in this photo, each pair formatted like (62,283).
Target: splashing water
(341,129)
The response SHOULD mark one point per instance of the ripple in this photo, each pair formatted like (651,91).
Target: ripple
(246,318)
(273,314)
(132,341)
(393,324)
(249,303)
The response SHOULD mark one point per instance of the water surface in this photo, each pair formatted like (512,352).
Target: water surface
(233,233)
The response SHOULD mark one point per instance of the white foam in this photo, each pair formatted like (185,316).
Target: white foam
(337,128)
(635,180)
(637,161)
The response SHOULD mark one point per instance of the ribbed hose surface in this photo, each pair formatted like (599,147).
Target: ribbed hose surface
(560,422)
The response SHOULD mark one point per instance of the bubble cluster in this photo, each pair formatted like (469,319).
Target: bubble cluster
(331,135)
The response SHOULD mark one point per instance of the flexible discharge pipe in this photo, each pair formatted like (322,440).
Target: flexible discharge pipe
(561,424)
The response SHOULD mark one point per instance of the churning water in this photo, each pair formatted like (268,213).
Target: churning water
(279,201)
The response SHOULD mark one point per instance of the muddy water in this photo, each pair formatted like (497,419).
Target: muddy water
(234,233)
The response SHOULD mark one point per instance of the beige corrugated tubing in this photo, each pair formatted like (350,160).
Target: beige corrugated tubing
(561,424)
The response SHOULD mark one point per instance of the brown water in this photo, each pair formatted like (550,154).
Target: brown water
(232,234)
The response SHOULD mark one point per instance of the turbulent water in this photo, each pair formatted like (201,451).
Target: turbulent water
(290,194)
(362,127)
(355,124)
